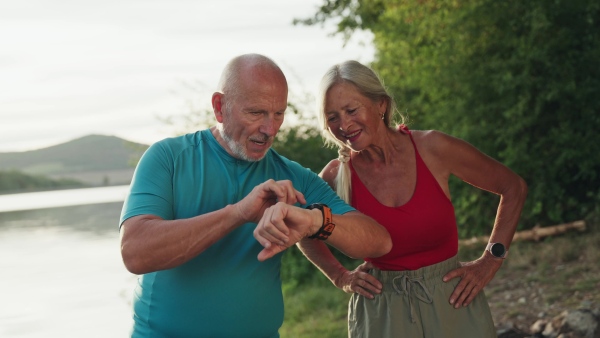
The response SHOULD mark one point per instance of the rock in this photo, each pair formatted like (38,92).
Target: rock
(580,323)
(538,326)
(512,333)
(551,329)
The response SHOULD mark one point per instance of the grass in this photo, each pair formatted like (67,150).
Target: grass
(318,310)
(539,279)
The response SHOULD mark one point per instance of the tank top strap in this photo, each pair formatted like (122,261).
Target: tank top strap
(404,129)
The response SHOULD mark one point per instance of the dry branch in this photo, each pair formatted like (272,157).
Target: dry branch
(534,234)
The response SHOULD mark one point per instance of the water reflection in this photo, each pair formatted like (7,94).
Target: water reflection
(60,198)
(62,274)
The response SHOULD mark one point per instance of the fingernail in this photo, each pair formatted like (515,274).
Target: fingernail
(451,301)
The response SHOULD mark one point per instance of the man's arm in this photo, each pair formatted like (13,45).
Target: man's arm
(356,235)
(150,243)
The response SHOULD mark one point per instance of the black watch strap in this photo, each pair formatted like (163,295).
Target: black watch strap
(327,226)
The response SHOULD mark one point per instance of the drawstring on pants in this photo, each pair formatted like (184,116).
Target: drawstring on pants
(406,284)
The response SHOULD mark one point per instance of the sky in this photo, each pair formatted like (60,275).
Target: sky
(70,68)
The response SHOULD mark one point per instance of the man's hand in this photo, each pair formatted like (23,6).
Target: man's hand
(474,276)
(252,207)
(282,225)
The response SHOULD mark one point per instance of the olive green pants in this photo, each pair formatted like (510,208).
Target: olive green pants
(415,304)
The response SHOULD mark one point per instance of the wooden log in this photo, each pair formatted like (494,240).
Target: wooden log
(538,232)
(534,234)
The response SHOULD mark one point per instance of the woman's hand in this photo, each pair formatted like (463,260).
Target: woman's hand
(359,281)
(474,276)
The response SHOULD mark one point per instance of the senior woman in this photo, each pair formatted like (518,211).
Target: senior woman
(399,177)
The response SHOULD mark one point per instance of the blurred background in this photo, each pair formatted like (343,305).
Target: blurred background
(86,86)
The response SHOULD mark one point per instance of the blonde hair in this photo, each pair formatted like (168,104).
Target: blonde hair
(371,86)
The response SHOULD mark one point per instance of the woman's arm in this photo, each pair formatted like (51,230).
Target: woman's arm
(451,156)
(320,255)
(356,281)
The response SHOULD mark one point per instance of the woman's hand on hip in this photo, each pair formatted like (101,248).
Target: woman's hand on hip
(474,276)
(359,281)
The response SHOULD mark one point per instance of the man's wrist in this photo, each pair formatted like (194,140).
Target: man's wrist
(238,216)
(316,221)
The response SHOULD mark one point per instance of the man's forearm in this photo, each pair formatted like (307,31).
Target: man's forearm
(359,236)
(149,243)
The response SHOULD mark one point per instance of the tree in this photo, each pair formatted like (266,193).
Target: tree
(517,79)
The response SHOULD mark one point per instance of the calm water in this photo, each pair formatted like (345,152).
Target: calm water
(59,198)
(61,270)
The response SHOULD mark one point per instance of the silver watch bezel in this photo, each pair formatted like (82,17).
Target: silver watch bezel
(489,248)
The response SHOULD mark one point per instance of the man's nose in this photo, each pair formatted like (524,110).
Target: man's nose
(269,127)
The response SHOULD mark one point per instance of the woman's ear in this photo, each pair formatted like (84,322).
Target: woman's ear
(383,104)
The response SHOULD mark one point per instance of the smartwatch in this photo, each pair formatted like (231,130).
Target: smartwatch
(328,225)
(497,250)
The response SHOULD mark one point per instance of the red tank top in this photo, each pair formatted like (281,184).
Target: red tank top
(423,230)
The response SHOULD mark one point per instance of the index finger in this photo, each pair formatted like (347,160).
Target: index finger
(452,274)
(288,194)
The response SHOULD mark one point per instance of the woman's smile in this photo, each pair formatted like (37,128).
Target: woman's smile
(353,135)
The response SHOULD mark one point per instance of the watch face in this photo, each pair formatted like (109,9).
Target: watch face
(498,250)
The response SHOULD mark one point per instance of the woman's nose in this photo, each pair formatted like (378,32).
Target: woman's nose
(344,124)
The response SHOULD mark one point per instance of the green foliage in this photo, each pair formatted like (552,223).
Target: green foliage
(16,181)
(301,140)
(517,79)
(303,144)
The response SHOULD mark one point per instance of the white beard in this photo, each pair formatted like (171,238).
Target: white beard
(238,150)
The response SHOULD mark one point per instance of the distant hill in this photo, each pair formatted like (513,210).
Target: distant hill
(19,182)
(93,159)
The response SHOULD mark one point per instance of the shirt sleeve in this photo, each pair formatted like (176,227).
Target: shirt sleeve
(318,191)
(151,190)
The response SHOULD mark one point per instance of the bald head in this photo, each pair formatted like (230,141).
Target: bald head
(246,68)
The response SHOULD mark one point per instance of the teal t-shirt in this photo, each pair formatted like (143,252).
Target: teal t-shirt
(225,291)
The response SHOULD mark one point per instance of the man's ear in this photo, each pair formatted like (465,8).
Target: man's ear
(217,104)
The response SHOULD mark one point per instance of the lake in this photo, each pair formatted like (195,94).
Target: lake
(59,198)
(62,273)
